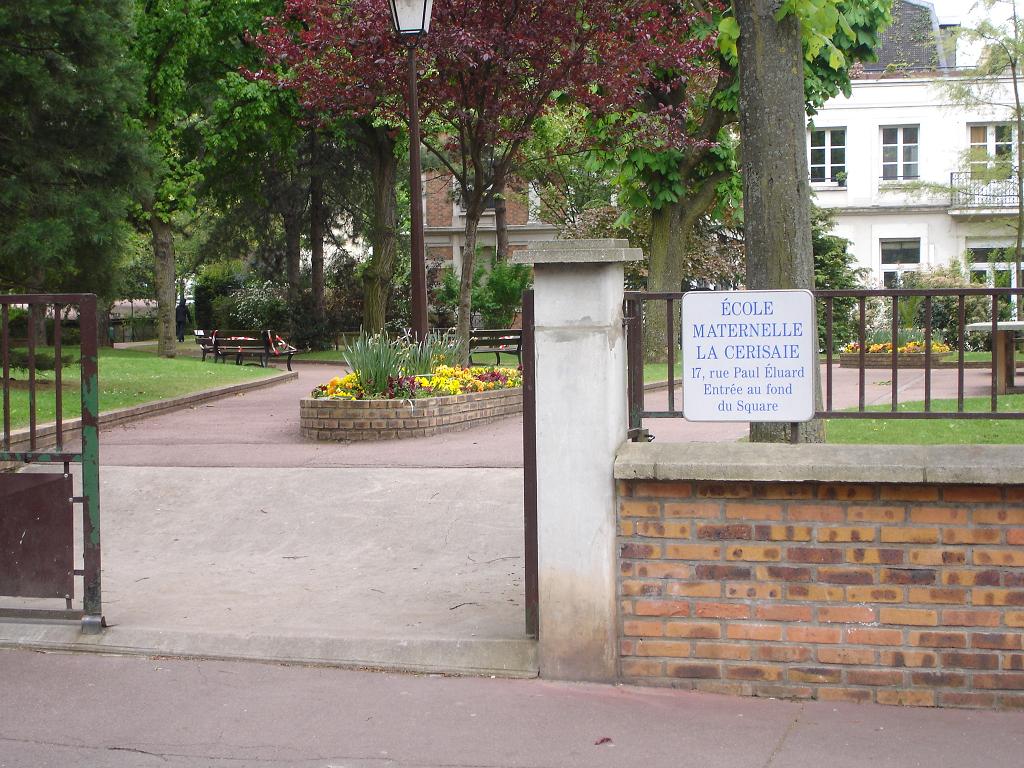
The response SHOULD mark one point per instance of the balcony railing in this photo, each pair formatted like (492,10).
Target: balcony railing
(968,191)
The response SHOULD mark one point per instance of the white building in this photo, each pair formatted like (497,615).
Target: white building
(915,180)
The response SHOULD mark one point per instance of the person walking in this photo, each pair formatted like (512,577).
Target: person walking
(181,318)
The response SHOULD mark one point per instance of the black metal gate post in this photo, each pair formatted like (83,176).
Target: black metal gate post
(530,469)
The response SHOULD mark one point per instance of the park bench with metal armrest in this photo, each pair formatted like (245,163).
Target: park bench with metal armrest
(205,342)
(264,346)
(497,342)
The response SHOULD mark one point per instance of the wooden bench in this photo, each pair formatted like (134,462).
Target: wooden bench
(264,346)
(497,342)
(205,342)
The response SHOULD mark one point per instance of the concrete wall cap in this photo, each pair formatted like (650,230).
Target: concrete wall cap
(577,252)
(762,462)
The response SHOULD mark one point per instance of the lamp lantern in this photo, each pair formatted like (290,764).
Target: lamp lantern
(411,17)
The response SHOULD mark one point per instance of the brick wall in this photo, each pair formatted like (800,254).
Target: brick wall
(438,191)
(897,594)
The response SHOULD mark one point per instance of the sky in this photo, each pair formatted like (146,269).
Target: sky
(964,12)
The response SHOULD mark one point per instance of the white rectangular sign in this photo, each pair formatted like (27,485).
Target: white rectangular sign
(749,355)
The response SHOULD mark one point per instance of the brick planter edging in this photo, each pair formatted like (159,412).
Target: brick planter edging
(877,591)
(335,420)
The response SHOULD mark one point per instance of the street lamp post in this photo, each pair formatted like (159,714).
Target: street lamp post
(411,19)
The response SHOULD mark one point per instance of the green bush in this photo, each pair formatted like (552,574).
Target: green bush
(216,280)
(377,358)
(497,291)
(45,359)
(260,304)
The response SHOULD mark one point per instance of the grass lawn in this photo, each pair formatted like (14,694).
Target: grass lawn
(934,431)
(129,377)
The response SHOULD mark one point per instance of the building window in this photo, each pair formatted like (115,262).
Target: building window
(901,251)
(828,155)
(899,152)
(991,151)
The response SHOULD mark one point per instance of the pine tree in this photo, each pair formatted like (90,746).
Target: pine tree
(69,154)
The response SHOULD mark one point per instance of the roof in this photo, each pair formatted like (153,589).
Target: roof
(914,41)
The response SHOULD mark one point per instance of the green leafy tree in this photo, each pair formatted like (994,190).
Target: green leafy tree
(69,153)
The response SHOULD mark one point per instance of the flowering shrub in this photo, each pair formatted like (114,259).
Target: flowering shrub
(910,347)
(444,380)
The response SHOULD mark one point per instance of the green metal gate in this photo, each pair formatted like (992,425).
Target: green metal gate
(37,546)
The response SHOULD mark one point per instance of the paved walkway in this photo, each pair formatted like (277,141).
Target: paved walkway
(102,712)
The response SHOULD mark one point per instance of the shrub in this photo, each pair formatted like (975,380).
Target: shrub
(45,359)
(214,281)
(497,291)
(260,304)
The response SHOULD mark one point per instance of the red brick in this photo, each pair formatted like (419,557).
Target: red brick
(692,552)
(641,668)
(784,691)
(642,628)
(876,514)
(783,573)
(938,679)
(694,671)
(723,610)
(814,555)
(846,576)
(964,699)
(725,490)
(1007,516)
(901,535)
(786,491)
(852,695)
(732,651)
(845,534)
(751,591)
(909,493)
(663,648)
(907,698)
(1014,661)
(722,572)
(813,634)
(972,493)
(1009,681)
(865,636)
(1015,537)
(814,675)
(693,589)
(663,570)
(971,535)
(907,659)
(1003,557)
(782,532)
(873,594)
(872,556)
(853,615)
(907,576)
(949,595)
(784,612)
(784,653)
(764,632)
(815,592)
(888,677)
(942,515)
(938,556)
(1003,641)
(639,509)
(637,551)
(970,660)
(753,553)
(820,513)
(957,618)
(693,630)
(996,597)
(846,656)
(724,532)
(661,608)
(751,672)
(939,639)
(662,530)
(749,511)
(633,588)
(846,492)
(909,616)
(696,509)
(662,489)
(1014,618)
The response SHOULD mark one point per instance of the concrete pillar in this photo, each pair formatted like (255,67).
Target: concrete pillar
(581,422)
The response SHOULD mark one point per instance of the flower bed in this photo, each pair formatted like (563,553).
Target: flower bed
(447,400)
(910,355)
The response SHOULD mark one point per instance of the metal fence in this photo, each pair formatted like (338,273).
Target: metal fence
(849,310)
(969,191)
(37,558)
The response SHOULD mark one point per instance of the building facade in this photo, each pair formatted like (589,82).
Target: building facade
(915,179)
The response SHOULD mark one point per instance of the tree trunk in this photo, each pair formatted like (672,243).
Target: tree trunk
(380,269)
(500,221)
(776,194)
(163,254)
(473,210)
(671,233)
(316,224)
(292,221)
